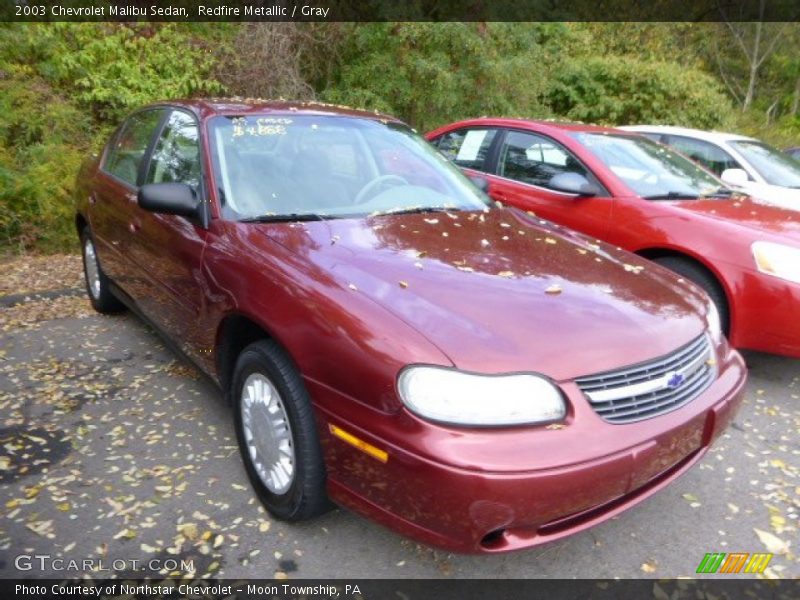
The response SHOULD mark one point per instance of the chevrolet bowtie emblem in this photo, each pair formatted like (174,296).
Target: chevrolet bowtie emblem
(674,380)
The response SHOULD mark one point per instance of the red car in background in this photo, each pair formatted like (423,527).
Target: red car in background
(625,189)
(390,340)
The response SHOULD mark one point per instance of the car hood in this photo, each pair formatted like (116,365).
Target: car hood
(746,212)
(774,195)
(501,291)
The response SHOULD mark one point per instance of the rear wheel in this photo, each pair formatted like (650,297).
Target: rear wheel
(277,433)
(97,283)
(700,276)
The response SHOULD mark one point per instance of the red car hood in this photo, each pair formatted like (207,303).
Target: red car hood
(747,213)
(500,292)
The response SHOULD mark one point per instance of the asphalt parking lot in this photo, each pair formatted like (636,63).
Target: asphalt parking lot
(113,449)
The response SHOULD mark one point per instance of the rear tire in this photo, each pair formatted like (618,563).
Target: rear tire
(277,433)
(97,283)
(700,276)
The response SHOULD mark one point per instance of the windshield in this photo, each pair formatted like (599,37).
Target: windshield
(773,165)
(269,167)
(651,170)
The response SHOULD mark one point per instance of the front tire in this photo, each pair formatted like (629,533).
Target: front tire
(277,433)
(700,276)
(97,283)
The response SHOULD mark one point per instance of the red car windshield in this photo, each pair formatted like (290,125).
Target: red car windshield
(295,166)
(653,171)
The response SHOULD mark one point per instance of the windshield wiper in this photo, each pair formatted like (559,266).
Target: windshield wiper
(413,210)
(285,218)
(722,192)
(671,196)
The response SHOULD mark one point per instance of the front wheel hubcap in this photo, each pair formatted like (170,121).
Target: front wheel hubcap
(92,269)
(267,433)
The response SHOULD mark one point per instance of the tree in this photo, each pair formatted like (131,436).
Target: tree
(620,90)
(432,73)
(740,50)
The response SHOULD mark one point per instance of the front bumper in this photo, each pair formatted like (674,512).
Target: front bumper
(500,490)
(765,315)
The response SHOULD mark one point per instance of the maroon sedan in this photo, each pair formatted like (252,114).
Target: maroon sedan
(465,374)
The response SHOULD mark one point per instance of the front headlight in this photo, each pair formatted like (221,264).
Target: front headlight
(778,260)
(714,323)
(452,396)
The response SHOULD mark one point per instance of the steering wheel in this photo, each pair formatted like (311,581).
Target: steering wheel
(364,193)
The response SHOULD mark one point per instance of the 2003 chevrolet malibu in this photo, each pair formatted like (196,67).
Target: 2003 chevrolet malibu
(463,373)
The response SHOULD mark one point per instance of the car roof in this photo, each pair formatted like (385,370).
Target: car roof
(541,124)
(209,107)
(709,136)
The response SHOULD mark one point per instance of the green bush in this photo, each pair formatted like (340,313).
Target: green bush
(63,87)
(42,141)
(432,73)
(618,90)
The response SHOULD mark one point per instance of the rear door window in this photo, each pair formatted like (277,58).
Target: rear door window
(467,148)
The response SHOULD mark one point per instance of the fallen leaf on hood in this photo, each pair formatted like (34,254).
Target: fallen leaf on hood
(550,240)
(553,290)
(353,287)
(507,274)
(402,284)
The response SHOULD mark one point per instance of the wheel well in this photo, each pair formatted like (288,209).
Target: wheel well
(235,333)
(80,223)
(656,253)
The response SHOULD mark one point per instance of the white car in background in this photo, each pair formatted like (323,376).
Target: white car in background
(744,163)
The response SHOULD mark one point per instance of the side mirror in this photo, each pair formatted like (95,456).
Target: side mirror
(171,199)
(573,183)
(481,183)
(735,176)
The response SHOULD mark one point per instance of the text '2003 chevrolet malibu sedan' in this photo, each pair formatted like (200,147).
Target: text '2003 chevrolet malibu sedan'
(468,375)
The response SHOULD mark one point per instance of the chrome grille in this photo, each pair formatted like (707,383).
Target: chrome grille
(652,388)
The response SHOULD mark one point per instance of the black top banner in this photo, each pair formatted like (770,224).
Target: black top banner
(398,10)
